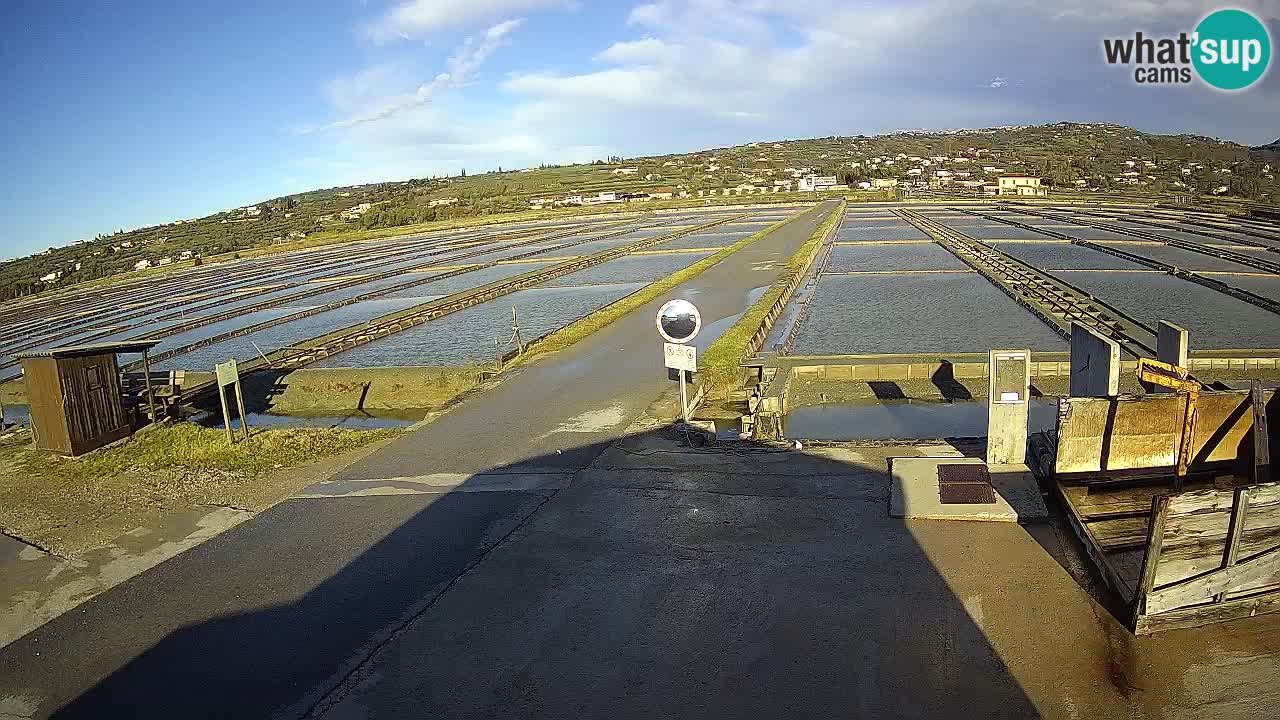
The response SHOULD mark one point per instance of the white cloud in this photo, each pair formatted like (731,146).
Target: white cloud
(707,73)
(416,18)
(713,72)
(474,52)
(635,51)
(1153,10)
(353,94)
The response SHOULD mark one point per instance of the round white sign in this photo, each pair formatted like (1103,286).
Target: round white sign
(679,321)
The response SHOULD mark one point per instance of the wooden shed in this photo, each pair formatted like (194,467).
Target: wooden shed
(75,395)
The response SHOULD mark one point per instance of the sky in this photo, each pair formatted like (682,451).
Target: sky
(128,114)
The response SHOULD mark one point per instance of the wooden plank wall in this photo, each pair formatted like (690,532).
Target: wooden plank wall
(44,393)
(1098,435)
(1197,532)
(95,414)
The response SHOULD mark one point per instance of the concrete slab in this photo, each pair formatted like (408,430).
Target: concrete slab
(39,587)
(914,493)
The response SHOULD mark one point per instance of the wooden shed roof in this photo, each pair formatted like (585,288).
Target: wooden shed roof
(124,346)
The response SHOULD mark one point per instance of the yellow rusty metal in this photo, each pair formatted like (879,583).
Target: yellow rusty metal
(1098,436)
(1177,379)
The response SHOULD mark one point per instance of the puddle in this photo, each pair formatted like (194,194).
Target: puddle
(904,419)
(16,414)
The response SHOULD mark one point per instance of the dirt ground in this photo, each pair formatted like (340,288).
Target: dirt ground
(70,506)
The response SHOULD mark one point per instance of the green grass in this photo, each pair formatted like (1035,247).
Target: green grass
(585,326)
(72,505)
(190,447)
(719,365)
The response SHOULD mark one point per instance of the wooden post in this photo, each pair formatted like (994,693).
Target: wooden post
(1151,558)
(1239,512)
(146,373)
(1187,439)
(1261,435)
(244,417)
(226,414)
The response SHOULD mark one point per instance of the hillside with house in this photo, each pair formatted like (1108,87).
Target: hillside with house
(1017,160)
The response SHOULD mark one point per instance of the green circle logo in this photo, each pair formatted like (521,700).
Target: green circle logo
(1232,49)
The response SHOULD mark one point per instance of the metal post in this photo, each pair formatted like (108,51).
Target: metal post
(684,405)
(146,372)
(515,332)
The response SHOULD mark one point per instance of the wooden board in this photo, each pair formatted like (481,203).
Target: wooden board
(1195,537)
(1101,435)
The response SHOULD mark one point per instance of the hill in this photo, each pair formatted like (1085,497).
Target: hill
(1266,153)
(1090,156)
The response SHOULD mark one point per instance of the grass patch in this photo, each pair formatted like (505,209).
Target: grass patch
(313,391)
(71,505)
(719,365)
(585,326)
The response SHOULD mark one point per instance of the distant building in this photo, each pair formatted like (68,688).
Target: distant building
(51,277)
(142,265)
(442,202)
(1020,185)
(816,183)
(626,171)
(884,183)
(165,261)
(602,198)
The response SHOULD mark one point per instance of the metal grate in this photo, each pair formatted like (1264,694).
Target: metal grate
(965,485)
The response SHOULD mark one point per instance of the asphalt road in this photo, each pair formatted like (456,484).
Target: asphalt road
(267,618)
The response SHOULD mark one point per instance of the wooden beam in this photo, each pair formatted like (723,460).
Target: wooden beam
(1208,614)
(1261,436)
(1239,513)
(1151,559)
(1199,589)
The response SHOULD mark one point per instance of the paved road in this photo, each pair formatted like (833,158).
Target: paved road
(268,617)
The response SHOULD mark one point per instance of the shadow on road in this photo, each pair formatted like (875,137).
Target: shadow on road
(664,581)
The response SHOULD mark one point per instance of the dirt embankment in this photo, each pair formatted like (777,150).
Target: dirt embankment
(315,391)
(71,505)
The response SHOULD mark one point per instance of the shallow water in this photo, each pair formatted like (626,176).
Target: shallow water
(866,258)
(468,336)
(1062,255)
(914,313)
(1214,320)
(634,268)
(904,419)
(1187,259)
(703,239)
(273,338)
(895,231)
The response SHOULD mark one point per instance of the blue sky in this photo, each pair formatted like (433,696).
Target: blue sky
(136,113)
